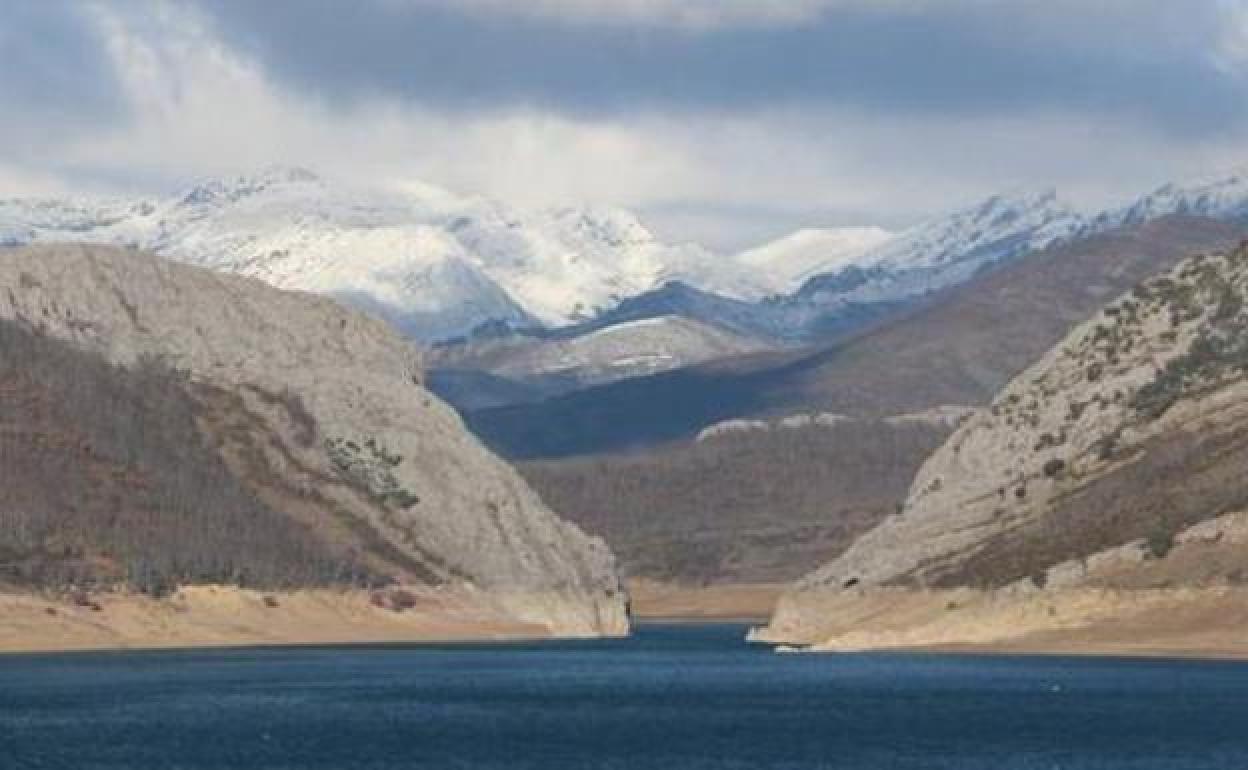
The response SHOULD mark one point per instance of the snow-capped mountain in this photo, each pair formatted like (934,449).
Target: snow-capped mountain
(434,263)
(997,228)
(784,264)
(943,252)
(850,283)
(1222,197)
(439,265)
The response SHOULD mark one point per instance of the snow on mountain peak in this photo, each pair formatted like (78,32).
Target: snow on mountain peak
(436,263)
(603,225)
(439,264)
(998,228)
(1223,196)
(224,191)
(785,263)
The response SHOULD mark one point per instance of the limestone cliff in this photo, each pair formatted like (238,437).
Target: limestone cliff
(321,413)
(1097,468)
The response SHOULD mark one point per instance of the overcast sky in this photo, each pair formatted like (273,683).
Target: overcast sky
(725,121)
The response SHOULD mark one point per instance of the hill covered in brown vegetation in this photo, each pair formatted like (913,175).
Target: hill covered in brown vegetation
(164,427)
(1103,487)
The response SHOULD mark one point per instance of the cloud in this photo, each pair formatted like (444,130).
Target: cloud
(52,83)
(1146,60)
(1231,53)
(682,14)
(174,91)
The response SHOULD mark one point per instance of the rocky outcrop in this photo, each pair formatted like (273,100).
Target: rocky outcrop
(338,426)
(1087,472)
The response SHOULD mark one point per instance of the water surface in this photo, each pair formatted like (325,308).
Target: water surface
(688,696)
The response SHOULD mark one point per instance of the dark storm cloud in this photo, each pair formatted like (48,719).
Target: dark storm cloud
(1143,60)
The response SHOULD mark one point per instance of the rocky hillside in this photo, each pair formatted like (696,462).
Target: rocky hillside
(1114,463)
(749,501)
(959,348)
(139,396)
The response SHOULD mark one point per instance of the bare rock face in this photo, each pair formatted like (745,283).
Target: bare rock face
(1110,449)
(365,439)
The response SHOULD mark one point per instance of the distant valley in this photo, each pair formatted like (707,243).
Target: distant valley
(720,419)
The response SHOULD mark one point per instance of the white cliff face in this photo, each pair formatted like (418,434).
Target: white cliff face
(1167,358)
(458,510)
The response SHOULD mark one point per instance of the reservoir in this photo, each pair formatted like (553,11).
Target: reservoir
(672,696)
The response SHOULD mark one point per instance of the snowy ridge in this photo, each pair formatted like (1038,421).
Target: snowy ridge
(998,228)
(434,263)
(941,253)
(1217,197)
(785,263)
(439,265)
(628,349)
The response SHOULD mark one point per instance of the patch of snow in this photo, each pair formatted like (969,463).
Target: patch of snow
(436,263)
(784,264)
(999,227)
(1217,197)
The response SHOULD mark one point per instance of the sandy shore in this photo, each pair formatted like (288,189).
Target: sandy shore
(1209,622)
(745,602)
(211,616)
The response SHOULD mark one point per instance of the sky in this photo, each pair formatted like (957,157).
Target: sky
(722,121)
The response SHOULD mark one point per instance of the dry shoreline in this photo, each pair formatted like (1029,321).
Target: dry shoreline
(1208,622)
(222,617)
(216,616)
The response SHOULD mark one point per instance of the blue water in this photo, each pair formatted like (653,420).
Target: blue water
(671,697)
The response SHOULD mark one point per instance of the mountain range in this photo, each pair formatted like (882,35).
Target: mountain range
(958,347)
(439,265)
(729,506)
(760,385)
(433,263)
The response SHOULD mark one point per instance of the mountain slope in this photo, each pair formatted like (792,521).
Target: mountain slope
(942,252)
(1218,197)
(434,263)
(554,364)
(958,349)
(789,261)
(848,283)
(319,415)
(749,502)
(998,228)
(1113,464)
(438,265)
